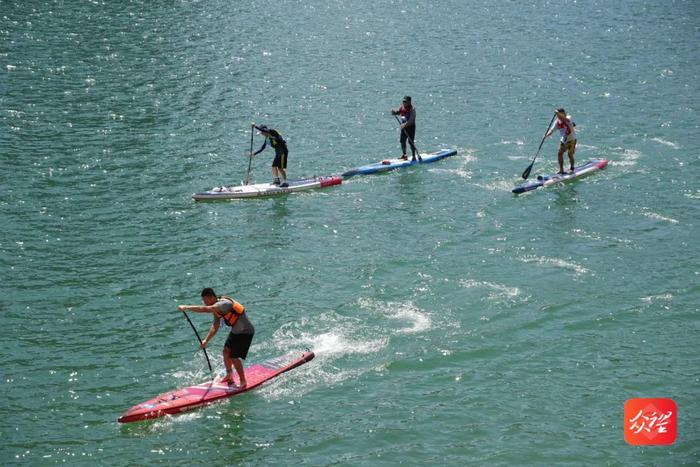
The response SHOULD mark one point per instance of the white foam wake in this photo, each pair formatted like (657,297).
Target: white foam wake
(556,262)
(670,144)
(659,217)
(498,293)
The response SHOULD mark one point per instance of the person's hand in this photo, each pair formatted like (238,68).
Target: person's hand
(182,308)
(203,345)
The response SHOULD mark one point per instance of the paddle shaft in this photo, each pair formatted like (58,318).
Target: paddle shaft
(250,158)
(407,136)
(200,341)
(527,171)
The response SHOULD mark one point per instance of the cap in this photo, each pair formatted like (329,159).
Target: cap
(407,99)
(560,110)
(263,128)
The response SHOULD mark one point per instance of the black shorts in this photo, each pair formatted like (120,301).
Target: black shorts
(409,132)
(238,345)
(280,158)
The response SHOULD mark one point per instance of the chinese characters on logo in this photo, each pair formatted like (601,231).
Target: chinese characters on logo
(650,421)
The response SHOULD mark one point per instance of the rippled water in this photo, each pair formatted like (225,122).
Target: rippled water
(453,322)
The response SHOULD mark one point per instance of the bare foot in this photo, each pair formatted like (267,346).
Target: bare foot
(227,379)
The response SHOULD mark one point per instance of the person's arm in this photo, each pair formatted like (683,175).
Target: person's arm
(199,308)
(212,330)
(551,129)
(262,148)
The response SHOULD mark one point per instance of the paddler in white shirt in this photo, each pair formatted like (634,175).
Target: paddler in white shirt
(567,143)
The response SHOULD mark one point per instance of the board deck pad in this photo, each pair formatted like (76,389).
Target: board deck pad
(548,180)
(192,397)
(392,164)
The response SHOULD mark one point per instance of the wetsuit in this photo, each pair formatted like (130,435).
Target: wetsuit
(277,142)
(408,116)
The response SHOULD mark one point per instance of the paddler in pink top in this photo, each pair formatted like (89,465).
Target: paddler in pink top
(567,143)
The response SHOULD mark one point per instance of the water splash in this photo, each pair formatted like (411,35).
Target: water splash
(498,293)
(556,262)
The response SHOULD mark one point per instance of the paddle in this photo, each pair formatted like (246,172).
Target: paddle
(408,137)
(529,167)
(250,158)
(200,342)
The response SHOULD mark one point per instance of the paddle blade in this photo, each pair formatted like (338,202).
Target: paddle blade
(527,171)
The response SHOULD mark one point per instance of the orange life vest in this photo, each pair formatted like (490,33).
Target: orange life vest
(232,316)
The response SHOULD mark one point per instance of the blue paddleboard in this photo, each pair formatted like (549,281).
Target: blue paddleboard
(392,164)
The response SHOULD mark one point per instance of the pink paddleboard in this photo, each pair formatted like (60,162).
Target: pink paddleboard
(181,400)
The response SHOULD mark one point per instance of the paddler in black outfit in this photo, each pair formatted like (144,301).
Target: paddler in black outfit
(279,164)
(407,116)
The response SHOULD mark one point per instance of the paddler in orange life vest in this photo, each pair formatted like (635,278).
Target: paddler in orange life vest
(567,142)
(241,335)
(407,116)
(279,164)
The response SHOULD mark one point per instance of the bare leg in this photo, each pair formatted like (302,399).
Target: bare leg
(228,363)
(560,157)
(238,365)
(571,157)
(284,173)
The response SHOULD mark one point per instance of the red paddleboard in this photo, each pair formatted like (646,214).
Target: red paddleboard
(181,400)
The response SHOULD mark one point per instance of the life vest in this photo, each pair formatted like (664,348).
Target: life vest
(405,113)
(561,125)
(232,316)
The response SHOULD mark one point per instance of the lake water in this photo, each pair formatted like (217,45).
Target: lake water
(453,322)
